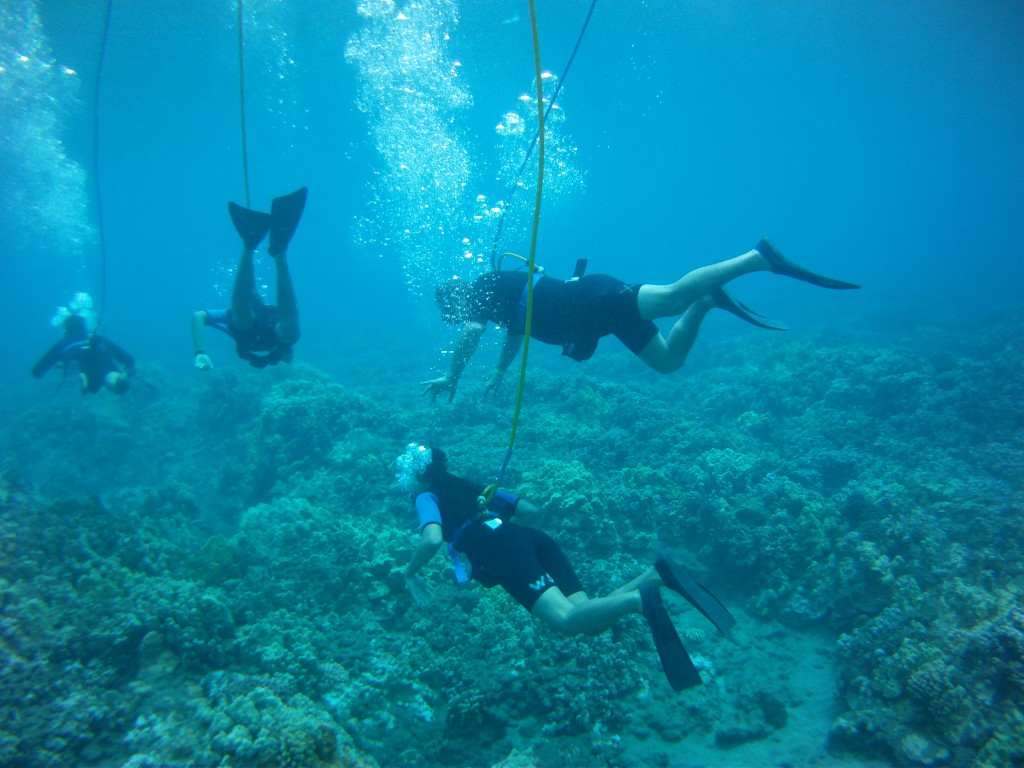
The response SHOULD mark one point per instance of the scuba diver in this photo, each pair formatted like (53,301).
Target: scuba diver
(576,313)
(532,568)
(97,360)
(264,334)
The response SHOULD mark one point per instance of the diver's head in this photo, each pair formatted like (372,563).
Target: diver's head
(78,318)
(418,466)
(451,299)
(76,328)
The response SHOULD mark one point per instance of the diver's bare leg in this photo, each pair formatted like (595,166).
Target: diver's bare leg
(630,586)
(287,329)
(656,301)
(668,355)
(242,312)
(575,615)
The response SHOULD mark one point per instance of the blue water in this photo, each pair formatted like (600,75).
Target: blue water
(852,486)
(880,142)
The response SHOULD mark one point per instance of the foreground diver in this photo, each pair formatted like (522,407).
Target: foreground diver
(264,334)
(532,568)
(576,313)
(97,359)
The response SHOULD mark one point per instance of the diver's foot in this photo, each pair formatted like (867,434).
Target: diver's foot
(252,226)
(724,301)
(676,578)
(780,265)
(285,213)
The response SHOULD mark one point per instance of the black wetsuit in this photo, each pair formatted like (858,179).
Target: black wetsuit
(525,561)
(95,357)
(573,314)
(259,345)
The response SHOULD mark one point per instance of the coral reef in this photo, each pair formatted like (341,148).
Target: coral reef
(229,595)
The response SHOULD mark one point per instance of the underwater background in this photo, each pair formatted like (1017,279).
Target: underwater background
(206,571)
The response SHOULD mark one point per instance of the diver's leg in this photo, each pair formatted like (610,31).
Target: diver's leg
(116,382)
(668,355)
(574,615)
(656,301)
(242,312)
(287,329)
(649,575)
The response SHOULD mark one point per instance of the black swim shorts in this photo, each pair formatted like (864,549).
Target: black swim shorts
(610,307)
(525,561)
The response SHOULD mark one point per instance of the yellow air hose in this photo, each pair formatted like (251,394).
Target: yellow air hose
(490,490)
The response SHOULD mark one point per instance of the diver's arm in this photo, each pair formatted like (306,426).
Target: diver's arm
(202,360)
(469,340)
(53,355)
(430,540)
(119,354)
(509,349)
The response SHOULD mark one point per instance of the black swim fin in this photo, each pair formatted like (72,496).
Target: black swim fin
(252,226)
(782,266)
(675,577)
(724,301)
(675,661)
(285,213)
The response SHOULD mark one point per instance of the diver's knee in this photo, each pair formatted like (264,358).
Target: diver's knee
(116,382)
(661,361)
(562,623)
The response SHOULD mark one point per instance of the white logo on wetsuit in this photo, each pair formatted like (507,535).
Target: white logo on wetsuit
(542,582)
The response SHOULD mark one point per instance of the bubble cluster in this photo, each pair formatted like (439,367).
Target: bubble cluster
(410,92)
(270,57)
(81,304)
(43,193)
(515,133)
(421,206)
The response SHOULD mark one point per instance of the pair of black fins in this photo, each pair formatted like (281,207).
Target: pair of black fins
(285,212)
(781,266)
(675,661)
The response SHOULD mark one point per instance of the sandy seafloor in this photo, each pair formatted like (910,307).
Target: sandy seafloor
(207,570)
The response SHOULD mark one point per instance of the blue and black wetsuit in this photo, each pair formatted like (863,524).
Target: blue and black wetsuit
(95,357)
(525,561)
(573,314)
(259,345)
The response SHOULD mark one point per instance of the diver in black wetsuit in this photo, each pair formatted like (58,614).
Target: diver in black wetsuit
(532,568)
(576,313)
(264,334)
(98,359)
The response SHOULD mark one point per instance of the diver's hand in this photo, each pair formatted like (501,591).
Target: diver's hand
(418,589)
(434,387)
(495,383)
(203,361)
